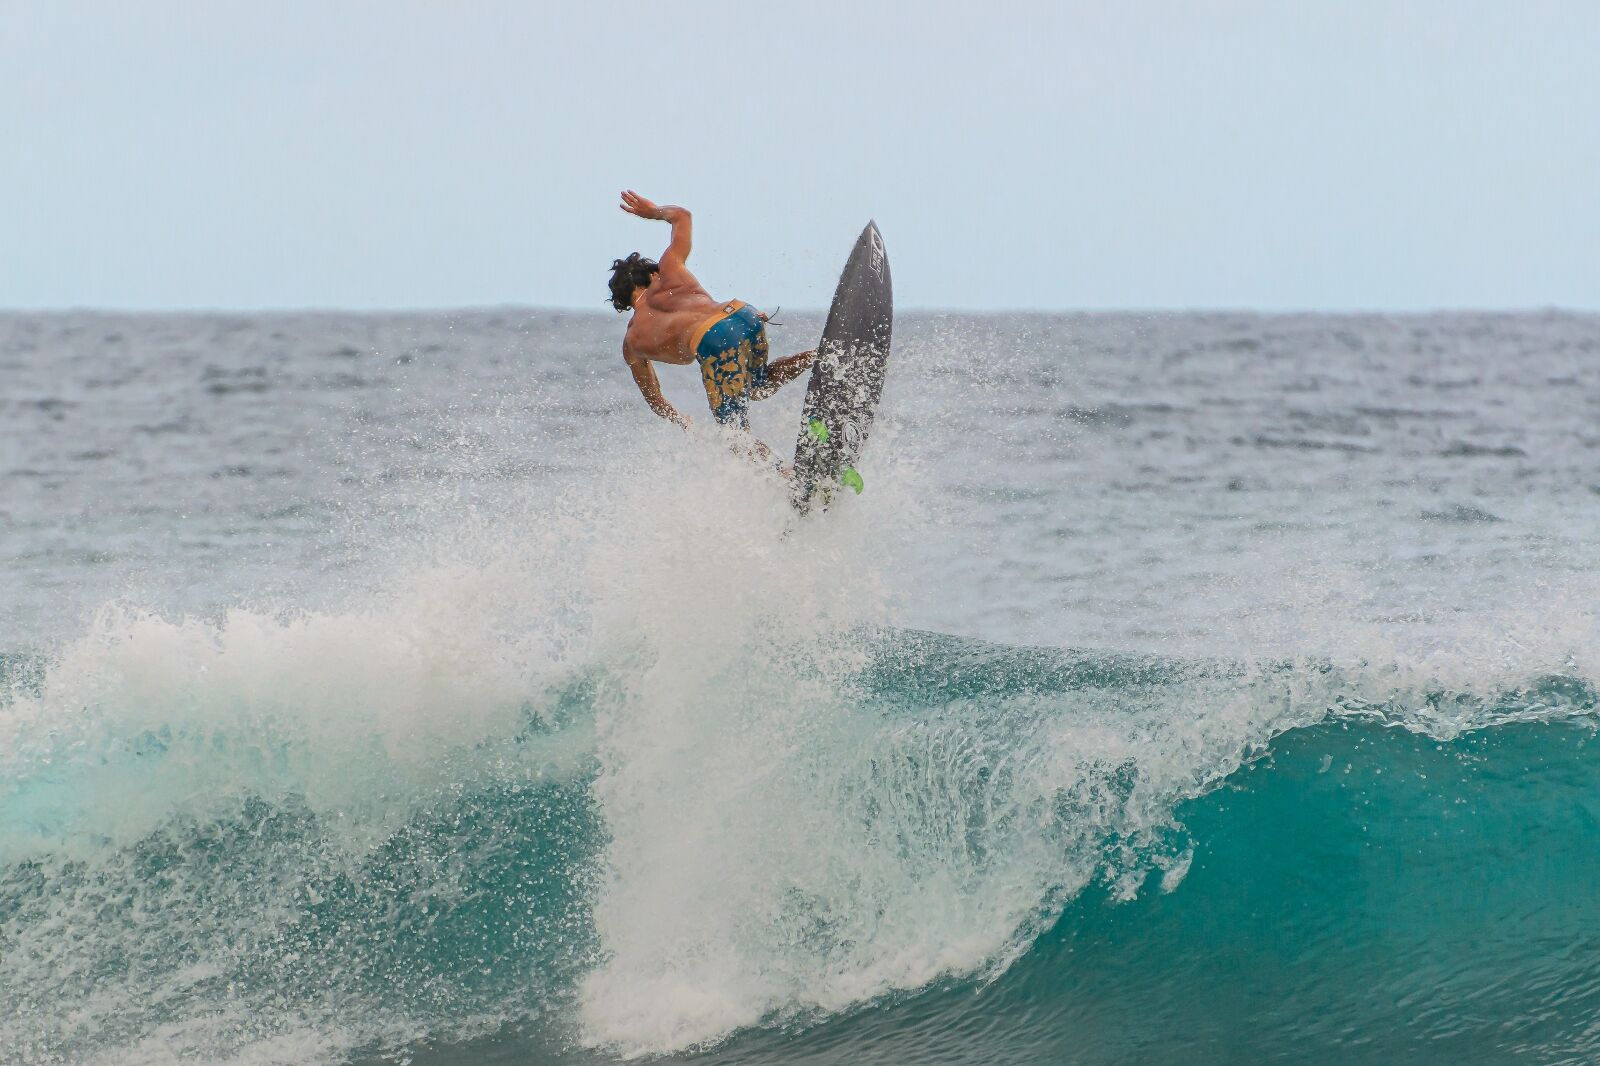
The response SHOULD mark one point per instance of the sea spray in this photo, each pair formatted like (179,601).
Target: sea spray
(787,840)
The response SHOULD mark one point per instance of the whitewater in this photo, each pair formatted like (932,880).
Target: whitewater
(1192,687)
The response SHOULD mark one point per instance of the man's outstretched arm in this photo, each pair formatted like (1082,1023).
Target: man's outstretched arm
(644,376)
(677,253)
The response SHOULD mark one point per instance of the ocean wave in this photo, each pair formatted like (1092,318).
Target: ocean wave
(309,837)
(643,767)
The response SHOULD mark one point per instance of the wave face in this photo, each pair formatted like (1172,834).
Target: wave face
(1196,688)
(1009,854)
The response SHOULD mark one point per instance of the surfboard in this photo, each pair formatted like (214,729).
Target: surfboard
(846,379)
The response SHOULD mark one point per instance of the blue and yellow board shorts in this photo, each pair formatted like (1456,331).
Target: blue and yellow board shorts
(731,347)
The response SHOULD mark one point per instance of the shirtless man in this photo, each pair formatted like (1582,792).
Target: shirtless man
(676,321)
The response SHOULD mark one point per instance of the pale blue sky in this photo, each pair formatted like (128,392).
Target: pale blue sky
(1292,154)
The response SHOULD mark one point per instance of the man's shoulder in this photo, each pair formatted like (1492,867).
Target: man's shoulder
(639,340)
(672,267)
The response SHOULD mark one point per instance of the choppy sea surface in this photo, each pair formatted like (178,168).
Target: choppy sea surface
(1185,687)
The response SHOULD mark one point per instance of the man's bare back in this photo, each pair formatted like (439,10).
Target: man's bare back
(667,311)
(675,320)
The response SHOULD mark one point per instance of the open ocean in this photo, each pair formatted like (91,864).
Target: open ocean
(1202,688)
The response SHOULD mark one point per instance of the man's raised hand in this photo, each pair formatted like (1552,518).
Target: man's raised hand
(635,204)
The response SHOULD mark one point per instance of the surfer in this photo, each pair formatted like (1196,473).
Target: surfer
(676,321)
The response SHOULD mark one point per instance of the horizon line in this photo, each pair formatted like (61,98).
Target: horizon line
(501,308)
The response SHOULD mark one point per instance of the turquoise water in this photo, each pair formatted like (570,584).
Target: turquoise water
(1200,688)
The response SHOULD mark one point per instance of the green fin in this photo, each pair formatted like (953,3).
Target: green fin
(850,479)
(818,430)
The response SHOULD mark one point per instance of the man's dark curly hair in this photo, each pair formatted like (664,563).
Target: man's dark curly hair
(629,274)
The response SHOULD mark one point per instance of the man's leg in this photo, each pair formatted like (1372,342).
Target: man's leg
(781,373)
